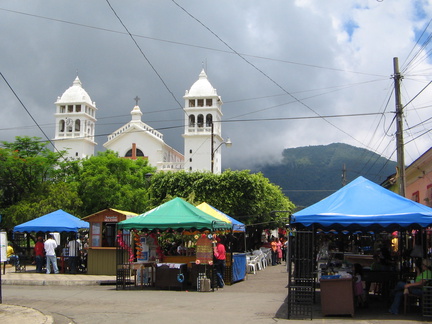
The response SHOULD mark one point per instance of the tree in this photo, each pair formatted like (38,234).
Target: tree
(52,197)
(250,198)
(25,166)
(108,181)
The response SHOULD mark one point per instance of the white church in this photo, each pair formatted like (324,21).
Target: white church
(76,122)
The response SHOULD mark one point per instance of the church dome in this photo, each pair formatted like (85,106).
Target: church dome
(75,93)
(202,87)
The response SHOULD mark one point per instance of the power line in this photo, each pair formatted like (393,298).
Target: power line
(145,57)
(28,112)
(189,45)
(265,74)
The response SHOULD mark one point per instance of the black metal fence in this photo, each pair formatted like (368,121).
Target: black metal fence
(125,275)
(301,274)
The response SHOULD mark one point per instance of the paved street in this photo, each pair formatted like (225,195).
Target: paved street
(259,299)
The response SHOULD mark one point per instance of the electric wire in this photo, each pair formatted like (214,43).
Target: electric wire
(265,74)
(145,57)
(190,45)
(27,111)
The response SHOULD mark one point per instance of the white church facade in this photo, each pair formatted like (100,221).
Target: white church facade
(76,120)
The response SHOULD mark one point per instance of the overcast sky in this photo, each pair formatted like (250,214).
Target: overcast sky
(284,69)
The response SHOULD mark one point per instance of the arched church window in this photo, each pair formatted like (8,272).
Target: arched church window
(191,120)
(138,153)
(200,120)
(62,126)
(77,125)
(69,123)
(209,120)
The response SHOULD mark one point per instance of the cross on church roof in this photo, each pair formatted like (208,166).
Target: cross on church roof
(136,100)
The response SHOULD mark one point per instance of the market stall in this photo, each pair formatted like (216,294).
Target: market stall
(361,206)
(101,253)
(236,260)
(139,241)
(56,222)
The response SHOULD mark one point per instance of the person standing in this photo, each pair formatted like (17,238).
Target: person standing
(219,252)
(50,245)
(274,252)
(39,251)
(279,251)
(75,248)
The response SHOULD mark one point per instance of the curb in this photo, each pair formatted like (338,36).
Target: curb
(11,314)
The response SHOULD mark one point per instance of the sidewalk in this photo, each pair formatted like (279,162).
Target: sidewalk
(31,277)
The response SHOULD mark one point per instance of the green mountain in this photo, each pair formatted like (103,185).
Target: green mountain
(309,174)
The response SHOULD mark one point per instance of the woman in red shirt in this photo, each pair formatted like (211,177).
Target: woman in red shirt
(219,261)
(39,254)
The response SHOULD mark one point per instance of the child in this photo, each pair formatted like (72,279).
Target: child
(358,285)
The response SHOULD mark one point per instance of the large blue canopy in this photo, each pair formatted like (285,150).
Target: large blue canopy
(58,221)
(363,203)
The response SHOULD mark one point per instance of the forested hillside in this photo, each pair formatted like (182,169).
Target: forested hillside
(309,174)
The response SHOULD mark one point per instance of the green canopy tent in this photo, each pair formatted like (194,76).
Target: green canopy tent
(175,214)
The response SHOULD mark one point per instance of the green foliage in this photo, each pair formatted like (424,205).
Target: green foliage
(250,198)
(309,174)
(36,181)
(25,166)
(107,181)
(51,197)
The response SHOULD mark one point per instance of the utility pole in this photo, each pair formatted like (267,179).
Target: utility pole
(344,180)
(399,129)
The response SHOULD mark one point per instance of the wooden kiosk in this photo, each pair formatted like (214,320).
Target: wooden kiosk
(101,258)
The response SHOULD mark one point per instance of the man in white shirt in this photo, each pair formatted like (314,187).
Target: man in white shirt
(50,245)
(74,247)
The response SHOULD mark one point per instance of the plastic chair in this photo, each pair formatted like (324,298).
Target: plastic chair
(252,264)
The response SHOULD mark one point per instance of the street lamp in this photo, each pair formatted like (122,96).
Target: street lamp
(228,143)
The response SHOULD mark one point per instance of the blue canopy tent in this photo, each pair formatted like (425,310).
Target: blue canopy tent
(57,221)
(363,204)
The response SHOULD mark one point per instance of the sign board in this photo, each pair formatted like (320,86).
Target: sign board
(111,219)
(204,250)
(3,247)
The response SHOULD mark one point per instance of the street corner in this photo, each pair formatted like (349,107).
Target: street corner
(12,314)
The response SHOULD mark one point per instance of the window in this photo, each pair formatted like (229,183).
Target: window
(78,108)
(95,234)
(190,159)
(200,102)
(209,120)
(77,125)
(62,109)
(428,199)
(209,102)
(191,102)
(62,126)
(192,121)
(138,153)
(200,120)
(415,196)
(190,151)
(108,234)
(70,108)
